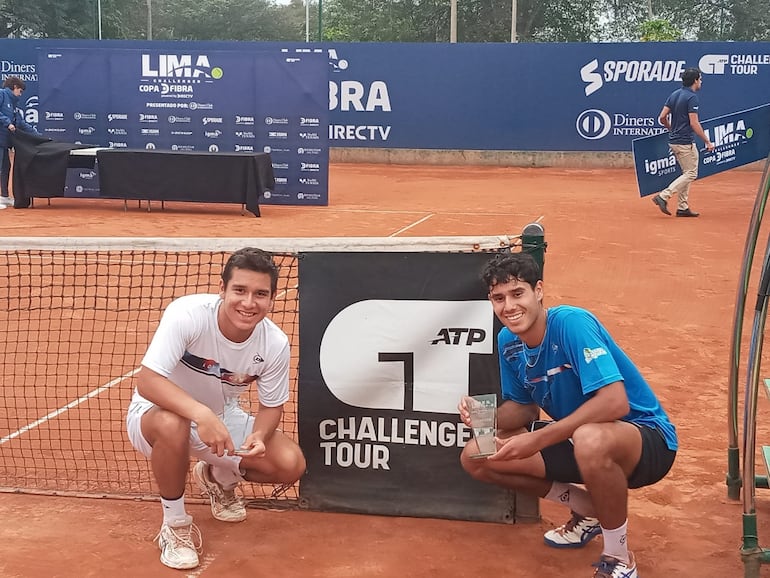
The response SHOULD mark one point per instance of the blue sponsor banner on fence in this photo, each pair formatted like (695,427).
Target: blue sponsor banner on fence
(739,139)
(521,96)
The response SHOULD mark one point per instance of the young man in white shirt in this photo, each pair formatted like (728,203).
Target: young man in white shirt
(207,350)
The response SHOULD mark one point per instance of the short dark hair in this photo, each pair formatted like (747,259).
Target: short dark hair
(14,82)
(689,76)
(505,267)
(252,259)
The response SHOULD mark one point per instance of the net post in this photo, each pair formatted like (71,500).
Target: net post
(533,242)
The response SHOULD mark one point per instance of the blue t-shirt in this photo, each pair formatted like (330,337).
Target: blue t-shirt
(681,103)
(576,358)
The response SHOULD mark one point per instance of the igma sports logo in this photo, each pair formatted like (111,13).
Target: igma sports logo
(372,349)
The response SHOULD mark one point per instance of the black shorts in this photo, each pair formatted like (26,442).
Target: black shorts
(655,462)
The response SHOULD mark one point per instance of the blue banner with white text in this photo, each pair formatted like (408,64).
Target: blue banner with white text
(522,96)
(215,101)
(739,139)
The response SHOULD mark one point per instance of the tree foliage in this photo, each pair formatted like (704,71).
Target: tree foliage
(391,20)
(659,31)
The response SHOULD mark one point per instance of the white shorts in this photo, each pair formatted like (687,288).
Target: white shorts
(238,423)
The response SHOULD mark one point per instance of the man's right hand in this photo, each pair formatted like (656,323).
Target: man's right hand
(709,145)
(464,411)
(214,434)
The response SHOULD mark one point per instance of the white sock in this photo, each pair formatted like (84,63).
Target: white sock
(173,510)
(615,542)
(573,496)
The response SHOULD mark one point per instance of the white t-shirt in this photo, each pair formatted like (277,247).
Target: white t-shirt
(189,349)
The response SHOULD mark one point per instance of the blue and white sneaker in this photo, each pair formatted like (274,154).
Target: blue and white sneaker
(608,567)
(576,533)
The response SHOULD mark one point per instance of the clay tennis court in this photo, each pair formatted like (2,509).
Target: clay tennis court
(665,287)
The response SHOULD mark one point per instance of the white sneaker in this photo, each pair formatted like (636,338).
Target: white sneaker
(226,506)
(608,567)
(179,543)
(6,201)
(576,533)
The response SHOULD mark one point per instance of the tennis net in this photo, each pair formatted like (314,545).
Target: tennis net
(76,315)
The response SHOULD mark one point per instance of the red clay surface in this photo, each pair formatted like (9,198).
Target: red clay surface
(665,287)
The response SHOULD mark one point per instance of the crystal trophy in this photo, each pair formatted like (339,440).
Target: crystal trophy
(483,413)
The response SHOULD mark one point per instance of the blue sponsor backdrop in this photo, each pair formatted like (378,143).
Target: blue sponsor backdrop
(739,139)
(188,100)
(550,97)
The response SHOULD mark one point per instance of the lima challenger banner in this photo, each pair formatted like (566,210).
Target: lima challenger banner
(383,363)
(739,139)
(213,101)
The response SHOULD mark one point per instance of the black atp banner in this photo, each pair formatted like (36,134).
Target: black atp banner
(389,342)
(194,100)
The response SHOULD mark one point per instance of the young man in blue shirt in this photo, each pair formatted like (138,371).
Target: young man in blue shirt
(680,116)
(607,431)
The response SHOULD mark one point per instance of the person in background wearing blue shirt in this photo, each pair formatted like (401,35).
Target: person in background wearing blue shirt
(607,431)
(11,120)
(680,116)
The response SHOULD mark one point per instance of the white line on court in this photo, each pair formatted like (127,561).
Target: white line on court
(69,406)
(425,218)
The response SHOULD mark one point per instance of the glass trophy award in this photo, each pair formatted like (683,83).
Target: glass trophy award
(483,413)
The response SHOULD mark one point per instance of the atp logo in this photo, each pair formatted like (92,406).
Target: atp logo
(373,351)
(713,63)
